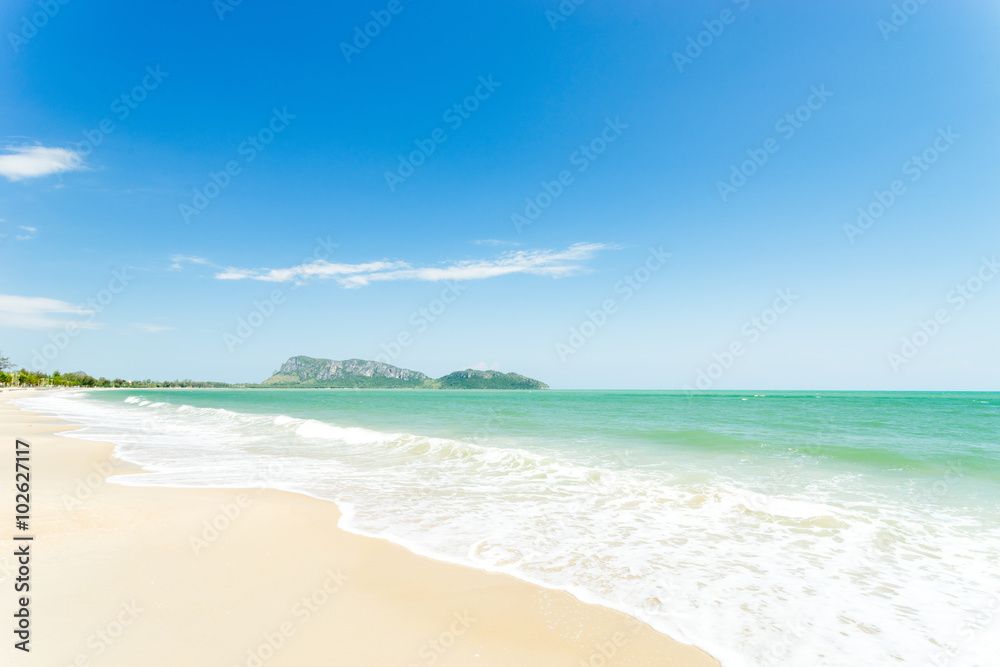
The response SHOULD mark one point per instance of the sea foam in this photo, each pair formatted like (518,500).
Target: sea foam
(834,573)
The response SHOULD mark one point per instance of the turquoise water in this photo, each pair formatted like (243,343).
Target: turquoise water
(768,528)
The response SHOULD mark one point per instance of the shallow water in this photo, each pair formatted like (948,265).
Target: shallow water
(786,529)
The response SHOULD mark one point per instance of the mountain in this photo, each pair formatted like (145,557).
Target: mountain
(362,374)
(473,379)
(310,372)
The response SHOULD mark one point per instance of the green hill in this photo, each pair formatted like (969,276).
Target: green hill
(473,379)
(350,373)
(364,374)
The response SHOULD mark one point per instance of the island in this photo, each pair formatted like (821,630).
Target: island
(304,371)
(297,372)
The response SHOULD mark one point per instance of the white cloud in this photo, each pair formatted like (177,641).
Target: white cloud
(28,236)
(150,328)
(30,312)
(494,242)
(318,269)
(34,161)
(180,260)
(554,263)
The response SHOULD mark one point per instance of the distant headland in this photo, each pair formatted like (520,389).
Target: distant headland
(363,374)
(299,372)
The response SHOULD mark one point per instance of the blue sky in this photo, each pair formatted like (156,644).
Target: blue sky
(169,170)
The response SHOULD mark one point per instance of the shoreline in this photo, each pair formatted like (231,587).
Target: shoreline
(254,577)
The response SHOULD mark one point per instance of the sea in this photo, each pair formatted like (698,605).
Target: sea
(767,528)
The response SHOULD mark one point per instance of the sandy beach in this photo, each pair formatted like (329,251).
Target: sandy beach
(126,575)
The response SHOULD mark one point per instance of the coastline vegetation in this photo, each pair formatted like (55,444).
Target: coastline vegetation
(307,378)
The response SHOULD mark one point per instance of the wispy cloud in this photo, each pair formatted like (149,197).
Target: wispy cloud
(33,161)
(553,263)
(28,235)
(150,328)
(180,260)
(494,242)
(35,312)
(317,269)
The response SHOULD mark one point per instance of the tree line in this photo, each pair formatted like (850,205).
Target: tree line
(25,378)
